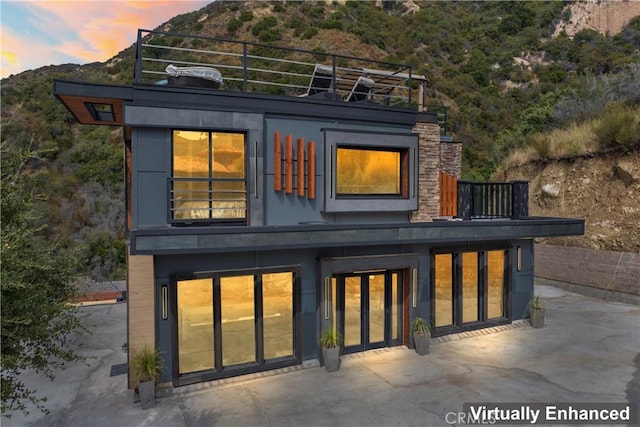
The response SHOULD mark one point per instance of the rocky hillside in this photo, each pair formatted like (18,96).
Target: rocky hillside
(602,16)
(603,189)
(496,66)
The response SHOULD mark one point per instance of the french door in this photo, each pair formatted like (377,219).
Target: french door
(470,290)
(369,309)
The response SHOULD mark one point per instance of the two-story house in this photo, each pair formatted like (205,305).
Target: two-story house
(274,192)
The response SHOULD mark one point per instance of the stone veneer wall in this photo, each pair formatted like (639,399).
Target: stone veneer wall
(428,171)
(451,158)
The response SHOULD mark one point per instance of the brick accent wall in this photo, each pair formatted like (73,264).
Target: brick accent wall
(428,172)
(613,271)
(451,158)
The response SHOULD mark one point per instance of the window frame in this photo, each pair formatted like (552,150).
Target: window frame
(261,364)
(211,179)
(404,143)
(483,321)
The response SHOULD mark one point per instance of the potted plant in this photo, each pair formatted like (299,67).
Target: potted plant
(421,333)
(331,340)
(146,366)
(535,309)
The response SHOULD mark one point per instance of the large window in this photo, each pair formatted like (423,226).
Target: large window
(209,177)
(235,322)
(195,325)
(470,289)
(367,172)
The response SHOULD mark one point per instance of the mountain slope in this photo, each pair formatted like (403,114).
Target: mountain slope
(603,189)
(495,65)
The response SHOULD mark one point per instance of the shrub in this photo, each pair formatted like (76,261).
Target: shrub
(618,128)
(147,364)
(233,26)
(263,25)
(269,35)
(331,338)
(542,145)
(246,16)
(309,33)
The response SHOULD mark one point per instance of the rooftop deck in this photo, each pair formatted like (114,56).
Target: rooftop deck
(259,68)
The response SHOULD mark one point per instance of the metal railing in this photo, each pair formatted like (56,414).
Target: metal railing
(206,200)
(254,67)
(491,200)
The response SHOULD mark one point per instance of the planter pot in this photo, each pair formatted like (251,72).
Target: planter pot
(147,390)
(537,318)
(331,358)
(421,344)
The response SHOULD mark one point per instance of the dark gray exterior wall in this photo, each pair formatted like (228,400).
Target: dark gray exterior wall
(152,151)
(523,277)
(310,264)
(289,209)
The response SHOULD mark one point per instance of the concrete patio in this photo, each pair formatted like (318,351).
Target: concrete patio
(585,353)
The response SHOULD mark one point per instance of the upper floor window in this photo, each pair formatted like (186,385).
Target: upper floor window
(365,171)
(370,171)
(209,177)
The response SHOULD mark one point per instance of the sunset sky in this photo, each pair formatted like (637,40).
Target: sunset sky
(49,32)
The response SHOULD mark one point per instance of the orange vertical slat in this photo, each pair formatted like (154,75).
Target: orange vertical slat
(288,165)
(454,196)
(311,170)
(442,200)
(448,194)
(449,198)
(300,180)
(277,162)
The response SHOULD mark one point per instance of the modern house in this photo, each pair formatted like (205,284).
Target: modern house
(272,193)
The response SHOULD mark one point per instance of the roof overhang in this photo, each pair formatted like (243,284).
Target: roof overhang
(243,239)
(81,99)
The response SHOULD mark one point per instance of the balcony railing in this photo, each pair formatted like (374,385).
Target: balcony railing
(260,68)
(508,200)
(207,200)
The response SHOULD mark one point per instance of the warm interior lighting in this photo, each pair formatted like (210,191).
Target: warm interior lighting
(495,284)
(444,290)
(277,309)
(469,287)
(214,167)
(367,171)
(195,325)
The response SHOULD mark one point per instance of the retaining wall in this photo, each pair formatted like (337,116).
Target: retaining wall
(610,275)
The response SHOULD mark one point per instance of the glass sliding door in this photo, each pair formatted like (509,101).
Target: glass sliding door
(277,317)
(238,320)
(495,284)
(470,303)
(443,290)
(239,323)
(195,325)
(470,290)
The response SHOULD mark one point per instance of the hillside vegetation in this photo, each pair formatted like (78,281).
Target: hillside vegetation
(506,80)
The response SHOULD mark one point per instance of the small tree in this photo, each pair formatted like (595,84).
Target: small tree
(36,283)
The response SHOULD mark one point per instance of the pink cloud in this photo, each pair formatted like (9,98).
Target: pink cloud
(87,30)
(21,53)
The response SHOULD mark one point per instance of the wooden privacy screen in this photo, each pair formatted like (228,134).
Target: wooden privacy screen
(299,168)
(448,195)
